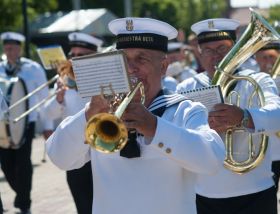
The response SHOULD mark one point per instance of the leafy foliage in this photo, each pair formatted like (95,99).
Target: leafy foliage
(11,17)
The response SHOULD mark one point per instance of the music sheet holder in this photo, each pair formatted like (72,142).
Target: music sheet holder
(51,55)
(101,73)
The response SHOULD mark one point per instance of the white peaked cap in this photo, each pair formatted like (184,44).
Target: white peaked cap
(142,25)
(86,38)
(12,36)
(174,46)
(144,33)
(219,24)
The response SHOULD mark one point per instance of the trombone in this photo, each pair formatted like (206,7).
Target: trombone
(63,68)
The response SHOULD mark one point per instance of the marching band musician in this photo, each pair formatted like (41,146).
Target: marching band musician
(3,105)
(67,103)
(180,57)
(266,58)
(16,163)
(3,109)
(227,191)
(153,172)
(178,68)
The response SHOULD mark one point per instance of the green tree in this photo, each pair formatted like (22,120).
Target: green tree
(274,17)
(116,6)
(274,13)
(181,13)
(11,12)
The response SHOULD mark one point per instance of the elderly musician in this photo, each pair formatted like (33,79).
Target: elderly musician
(169,136)
(227,191)
(16,163)
(67,103)
(266,58)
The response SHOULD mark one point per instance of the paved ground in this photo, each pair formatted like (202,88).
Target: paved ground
(50,192)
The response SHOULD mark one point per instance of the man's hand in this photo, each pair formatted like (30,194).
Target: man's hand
(97,105)
(138,117)
(61,88)
(225,116)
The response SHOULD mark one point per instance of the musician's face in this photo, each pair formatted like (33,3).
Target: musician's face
(149,66)
(79,51)
(178,56)
(266,59)
(211,53)
(12,51)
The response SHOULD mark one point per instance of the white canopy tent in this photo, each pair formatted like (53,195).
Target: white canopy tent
(87,21)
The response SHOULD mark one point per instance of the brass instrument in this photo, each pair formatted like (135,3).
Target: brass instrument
(64,68)
(105,131)
(275,71)
(257,34)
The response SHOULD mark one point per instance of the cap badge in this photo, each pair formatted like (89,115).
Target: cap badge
(211,24)
(75,36)
(129,25)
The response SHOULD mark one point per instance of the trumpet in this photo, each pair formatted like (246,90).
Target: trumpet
(257,34)
(105,131)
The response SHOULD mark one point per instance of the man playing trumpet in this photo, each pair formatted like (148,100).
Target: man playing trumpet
(153,172)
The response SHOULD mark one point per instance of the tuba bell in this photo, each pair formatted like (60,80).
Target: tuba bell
(257,34)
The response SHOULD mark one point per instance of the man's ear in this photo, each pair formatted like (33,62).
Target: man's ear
(164,65)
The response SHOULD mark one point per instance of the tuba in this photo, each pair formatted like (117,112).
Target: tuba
(106,132)
(257,34)
(275,71)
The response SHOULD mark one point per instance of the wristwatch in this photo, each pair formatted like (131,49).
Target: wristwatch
(245,120)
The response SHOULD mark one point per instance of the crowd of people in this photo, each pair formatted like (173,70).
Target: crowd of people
(173,161)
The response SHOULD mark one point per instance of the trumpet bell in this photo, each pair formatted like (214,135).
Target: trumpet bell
(106,133)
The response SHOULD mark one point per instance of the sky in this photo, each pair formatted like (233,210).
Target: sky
(254,3)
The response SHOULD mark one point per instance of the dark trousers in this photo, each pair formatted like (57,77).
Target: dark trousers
(17,167)
(81,187)
(276,170)
(263,202)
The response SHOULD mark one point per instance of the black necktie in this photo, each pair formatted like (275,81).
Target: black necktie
(132,149)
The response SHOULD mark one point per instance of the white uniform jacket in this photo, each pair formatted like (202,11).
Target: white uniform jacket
(71,105)
(33,76)
(3,105)
(266,120)
(161,180)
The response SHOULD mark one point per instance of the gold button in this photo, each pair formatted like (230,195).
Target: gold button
(160,145)
(168,150)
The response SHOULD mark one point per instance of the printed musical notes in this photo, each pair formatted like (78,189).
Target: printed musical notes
(101,73)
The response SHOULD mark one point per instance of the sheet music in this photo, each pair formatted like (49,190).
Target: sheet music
(98,72)
(208,96)
(50,55)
